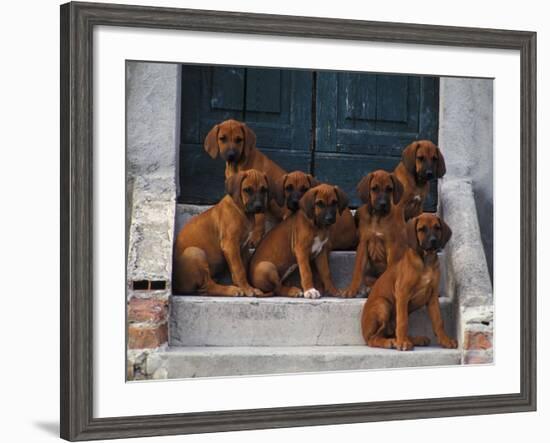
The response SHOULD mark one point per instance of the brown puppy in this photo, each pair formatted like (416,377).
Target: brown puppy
(295,242)
(290,188)
(421,161)
(235,142)
(381,227)
(406,286)
(220,236)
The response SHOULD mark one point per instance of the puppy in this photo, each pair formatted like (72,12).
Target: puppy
(407,285)
(220,237)
(290,188)
(381,228)
(421,161)
(235,143)
(295,242)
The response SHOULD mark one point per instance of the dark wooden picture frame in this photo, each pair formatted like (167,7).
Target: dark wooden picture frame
(77,23)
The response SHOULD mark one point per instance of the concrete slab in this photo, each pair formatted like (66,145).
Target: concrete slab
(231,361)
(280,321)
(341,268)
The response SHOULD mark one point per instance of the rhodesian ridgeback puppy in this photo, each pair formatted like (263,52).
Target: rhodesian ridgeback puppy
(290,188)
(381,228)
(235,143)
(421,161)
(220,237)
(295,242)
(407,285)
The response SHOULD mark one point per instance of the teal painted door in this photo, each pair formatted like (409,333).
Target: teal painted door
(363,122)
(275,103)
(338,126)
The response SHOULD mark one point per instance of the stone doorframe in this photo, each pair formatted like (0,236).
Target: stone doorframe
(152,136)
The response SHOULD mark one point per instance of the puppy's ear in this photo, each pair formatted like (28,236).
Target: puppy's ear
(211,142)
(397,189)
(408,157)
(312,181)
(249,139)
(343,200)
(279,190)
(363,190)
(441,168)
(269,189)
(445,233)
(233,186)
(412,238)
(307,203)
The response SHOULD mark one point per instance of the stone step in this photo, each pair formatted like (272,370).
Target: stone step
(280,321)
(186,362)
(341,269)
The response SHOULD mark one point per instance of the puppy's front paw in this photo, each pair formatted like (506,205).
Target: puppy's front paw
(404,345)
(312,293)
(449,343)
(294,292)
(249,291)
(348,293)
(235,291)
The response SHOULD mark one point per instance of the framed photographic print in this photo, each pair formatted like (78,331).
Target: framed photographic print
(262,213)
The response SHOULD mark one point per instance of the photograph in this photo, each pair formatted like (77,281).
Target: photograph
(283,220)
(295,218)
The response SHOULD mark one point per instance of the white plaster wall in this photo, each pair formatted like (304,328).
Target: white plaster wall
(152,142)
(152,110)
(466,140)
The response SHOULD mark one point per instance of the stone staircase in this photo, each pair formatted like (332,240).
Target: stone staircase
(220,336)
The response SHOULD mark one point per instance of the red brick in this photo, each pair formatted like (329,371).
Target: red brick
(478,340)
(142,337)
(478,358)
(147,309)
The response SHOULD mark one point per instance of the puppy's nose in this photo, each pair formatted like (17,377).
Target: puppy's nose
(258,207)
(383,205)
(293,204)
(330,219)
(433,242)
(429,174)
(231,155)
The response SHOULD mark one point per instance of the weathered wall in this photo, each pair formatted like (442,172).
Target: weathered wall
(466,139)
(467,274)
(152,140)
(152,102)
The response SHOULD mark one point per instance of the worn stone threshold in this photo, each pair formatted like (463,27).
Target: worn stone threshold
(205,361)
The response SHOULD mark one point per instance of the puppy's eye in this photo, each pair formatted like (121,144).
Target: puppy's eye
(420,158)
(248,190)
(437,227)
(320,203)
(223,138)
(303,189)
(333,203)
(434,158)
(263,189)
(389,189)
(289,188)
(422,228)
(375,188)
(238,139)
